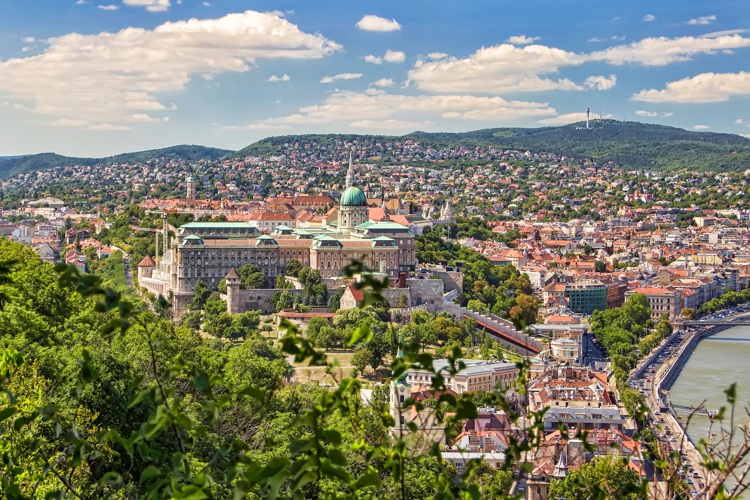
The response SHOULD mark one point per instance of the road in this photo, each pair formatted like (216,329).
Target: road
(667,428)
(128,267)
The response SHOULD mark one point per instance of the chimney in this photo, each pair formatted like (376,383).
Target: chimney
(402,279)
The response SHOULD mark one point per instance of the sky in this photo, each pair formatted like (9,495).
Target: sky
(100,77)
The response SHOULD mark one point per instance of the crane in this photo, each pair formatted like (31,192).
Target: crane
(165,234)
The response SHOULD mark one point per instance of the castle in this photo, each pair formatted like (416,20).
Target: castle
(208,251)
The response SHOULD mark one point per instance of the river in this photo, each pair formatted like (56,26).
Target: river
(716,363)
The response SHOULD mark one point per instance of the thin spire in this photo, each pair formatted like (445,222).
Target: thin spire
(350,173)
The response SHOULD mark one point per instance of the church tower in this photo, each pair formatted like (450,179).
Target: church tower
(190,188)
(353,204)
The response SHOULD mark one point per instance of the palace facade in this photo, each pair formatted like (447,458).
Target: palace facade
(207,251)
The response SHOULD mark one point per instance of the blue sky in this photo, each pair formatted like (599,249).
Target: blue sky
(98,77)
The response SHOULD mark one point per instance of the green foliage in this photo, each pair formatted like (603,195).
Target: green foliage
(202,293)
(100,397)
(629,144)
(251,277)
(729,299)
(485,284)
(604,477)
(23,164)
(293,267)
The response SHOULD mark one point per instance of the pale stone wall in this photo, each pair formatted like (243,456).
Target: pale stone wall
(251,300)
(425,291)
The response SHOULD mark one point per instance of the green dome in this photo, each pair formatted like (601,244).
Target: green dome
(353,197)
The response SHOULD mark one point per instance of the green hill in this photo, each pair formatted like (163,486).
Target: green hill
(10,166)
(629,144)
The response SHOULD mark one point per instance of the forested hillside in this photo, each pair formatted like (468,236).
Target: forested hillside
(628,144)
(10,166)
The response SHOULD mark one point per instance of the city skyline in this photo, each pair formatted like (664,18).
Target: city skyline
(92,78)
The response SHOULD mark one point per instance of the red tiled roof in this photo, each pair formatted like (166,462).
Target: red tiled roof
(147,262)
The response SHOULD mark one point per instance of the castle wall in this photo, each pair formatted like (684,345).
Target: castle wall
(251,300)
(425,291)
(452,280)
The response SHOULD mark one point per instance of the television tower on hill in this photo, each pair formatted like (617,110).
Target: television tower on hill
(588,113)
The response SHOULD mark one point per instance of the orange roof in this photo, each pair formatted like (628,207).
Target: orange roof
(147,262)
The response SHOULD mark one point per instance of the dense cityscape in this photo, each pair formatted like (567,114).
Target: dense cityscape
(578,287)
(383,250)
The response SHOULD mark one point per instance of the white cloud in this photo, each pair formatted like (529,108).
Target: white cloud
(649,18)
(143,117)
(702,21)
(667,114)
(81,2)
(340,76)
(26,48)
(662,51)
(701,127)
(384,82)
(738,121)
(509,68)
(282,78)
(600,82)
(207,4)
(28,39)
(346,108)
(150,5)
(394,56)
(646,114)
(437,55)
(107,7)
(702,88)
(376,23)
(497,69)
(111,76)
(714,34)
(522,39)
(568,118)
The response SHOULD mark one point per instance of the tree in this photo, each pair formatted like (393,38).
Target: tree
(293,268)
(603,477)
(402,301)
(285,300)
(202,293)
(361,358)
(600,266)
(281,283)
(251,277)
(326,337)
(688,313)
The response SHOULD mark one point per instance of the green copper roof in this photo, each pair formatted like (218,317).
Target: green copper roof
(217,225)
(353,197)
(383,226)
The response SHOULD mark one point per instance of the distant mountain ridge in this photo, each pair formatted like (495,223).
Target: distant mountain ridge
(628,144)
(14,165)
